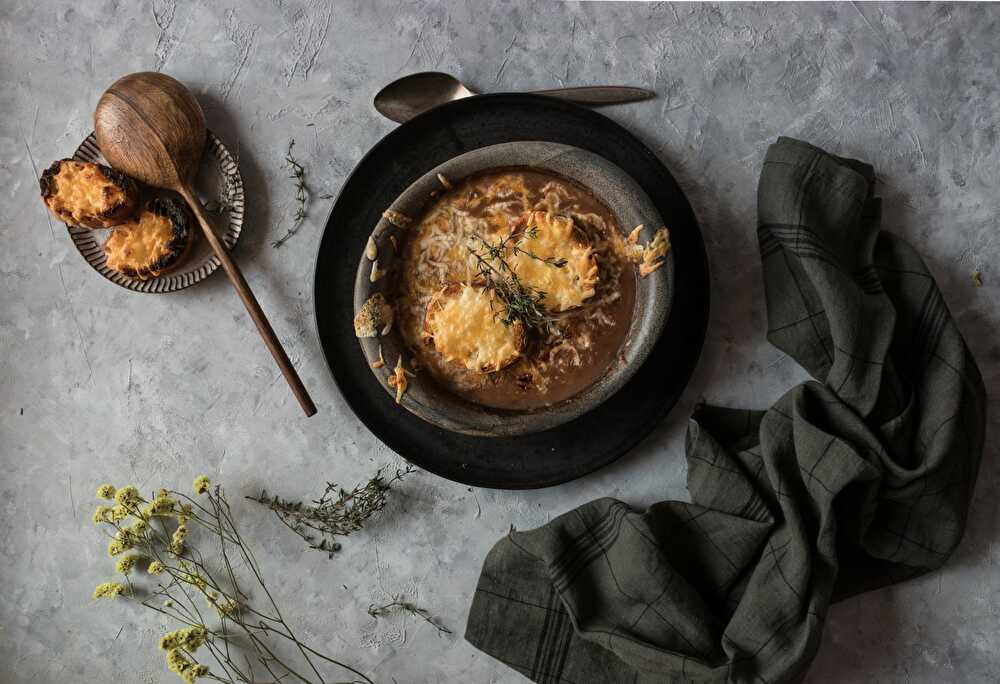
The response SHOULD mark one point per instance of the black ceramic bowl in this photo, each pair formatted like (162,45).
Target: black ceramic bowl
(654,293)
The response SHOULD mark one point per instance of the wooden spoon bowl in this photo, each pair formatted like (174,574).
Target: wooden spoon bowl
(151,127)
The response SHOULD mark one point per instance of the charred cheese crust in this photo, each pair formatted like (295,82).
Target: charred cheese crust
(551,236)
(155,241)
(464,329)
(87,194)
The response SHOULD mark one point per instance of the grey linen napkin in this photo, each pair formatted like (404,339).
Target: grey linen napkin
(854,480)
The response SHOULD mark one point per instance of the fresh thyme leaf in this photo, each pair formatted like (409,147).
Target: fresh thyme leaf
(337,513)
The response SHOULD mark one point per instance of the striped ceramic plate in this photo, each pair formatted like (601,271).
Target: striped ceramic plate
(220,187)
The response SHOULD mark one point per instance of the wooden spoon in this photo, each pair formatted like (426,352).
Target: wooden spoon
(151,127)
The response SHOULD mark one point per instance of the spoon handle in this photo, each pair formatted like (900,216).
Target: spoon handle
(250,302)
(595,96)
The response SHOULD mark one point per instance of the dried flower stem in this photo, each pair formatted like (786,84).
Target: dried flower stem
(400,604)
(337,513)
(195,592)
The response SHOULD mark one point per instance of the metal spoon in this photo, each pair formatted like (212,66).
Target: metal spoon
(406,97)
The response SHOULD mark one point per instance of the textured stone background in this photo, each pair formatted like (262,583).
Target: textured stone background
(102,384)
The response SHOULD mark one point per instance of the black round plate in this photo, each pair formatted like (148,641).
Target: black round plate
(570,450)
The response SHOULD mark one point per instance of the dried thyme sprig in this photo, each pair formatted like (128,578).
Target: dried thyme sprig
(399,604)
(298,174)
(302,195)
(206,588)
(521,302)
(513,243)
(337,513)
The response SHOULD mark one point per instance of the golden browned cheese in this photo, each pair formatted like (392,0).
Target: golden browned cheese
(546,240)
(87,194)
(154,241)
(464,328)
(654,253)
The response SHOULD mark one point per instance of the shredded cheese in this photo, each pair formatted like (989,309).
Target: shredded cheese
(398,379)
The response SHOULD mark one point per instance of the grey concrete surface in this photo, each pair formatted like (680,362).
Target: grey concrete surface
(97,383)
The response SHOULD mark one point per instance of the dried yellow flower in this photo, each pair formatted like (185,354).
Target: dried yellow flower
(115,548)
(184,516)
(126,563)
(176,660)
(201,484)
(109,590)
(139,527)
(193,638)
(156,568)
(101,514)
(106,491)
(128,496)
(177,540)
(189,639)
(119,512)
(161,505)
(225,608)
(126,537)
(199,670)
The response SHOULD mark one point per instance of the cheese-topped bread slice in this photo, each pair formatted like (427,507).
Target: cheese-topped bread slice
(156,240)
(464,325)
(549,254)
(87,194)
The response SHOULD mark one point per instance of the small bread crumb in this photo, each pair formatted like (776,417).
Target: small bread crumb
(633,237)
(443,179)
(374,315)
(371,249)
(376,272)
(380,361)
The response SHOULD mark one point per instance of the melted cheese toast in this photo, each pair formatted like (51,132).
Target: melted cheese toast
(547,238)
(88,195)
(464,328)
(154,241)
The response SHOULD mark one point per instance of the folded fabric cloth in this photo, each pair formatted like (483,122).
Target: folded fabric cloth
(855,480)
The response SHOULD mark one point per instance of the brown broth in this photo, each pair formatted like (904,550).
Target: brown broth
(552,369)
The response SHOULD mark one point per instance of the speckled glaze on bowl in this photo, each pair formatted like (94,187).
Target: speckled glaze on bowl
(653,297)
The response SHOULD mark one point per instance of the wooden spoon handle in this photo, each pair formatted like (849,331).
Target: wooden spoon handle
(250,302)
